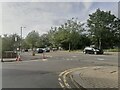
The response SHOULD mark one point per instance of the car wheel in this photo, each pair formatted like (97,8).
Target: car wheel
(95,53)
(86,52)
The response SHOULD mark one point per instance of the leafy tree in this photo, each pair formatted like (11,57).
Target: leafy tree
(25,45)
(32,39)
(101,29)
(116,33)
(51,36)
(68,34)
(43,41)
(9,43)
(14,41)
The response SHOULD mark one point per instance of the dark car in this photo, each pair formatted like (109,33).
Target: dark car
(26,50)
(40,50)
(47,50)
(92,50)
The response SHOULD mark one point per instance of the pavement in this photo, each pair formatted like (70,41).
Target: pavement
(96,77)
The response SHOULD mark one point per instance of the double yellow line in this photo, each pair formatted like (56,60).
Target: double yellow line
(63,75)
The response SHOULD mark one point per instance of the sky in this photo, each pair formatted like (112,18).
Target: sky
(41,16)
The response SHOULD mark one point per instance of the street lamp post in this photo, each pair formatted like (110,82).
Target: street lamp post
(21,28)
(70,42)
(16,39)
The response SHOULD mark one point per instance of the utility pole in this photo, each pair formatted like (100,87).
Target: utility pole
(70,41)
(21,28)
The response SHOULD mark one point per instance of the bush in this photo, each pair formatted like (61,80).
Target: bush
(113,50)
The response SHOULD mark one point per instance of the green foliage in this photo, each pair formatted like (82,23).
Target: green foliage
(32,39)
(25,45)
(70,33)
(43,41)
(102,28)
(115,49)
(9,43)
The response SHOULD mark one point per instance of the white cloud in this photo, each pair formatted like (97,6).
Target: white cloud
(41,16)
(87,3)
(32,15)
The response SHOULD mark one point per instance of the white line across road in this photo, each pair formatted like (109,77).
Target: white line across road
(49,56)
(74,56)
(44,59)
(101,59)
(31,60)
(35,60)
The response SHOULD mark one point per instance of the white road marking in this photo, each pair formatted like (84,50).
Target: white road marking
(30,61)
(68,86)
(100,59)
(59,79)
(74,56)
(49,56)
(61,85)
(68,59)
(64,75)
(44,59)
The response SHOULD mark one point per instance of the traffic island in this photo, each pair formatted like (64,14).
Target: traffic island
(96,77)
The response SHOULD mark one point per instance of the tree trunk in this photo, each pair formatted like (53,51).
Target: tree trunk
(69,47)
(99,43)
(33,52)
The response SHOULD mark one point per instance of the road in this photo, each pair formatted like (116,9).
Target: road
(35,72)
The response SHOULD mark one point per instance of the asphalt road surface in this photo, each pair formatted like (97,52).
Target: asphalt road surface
(35,72)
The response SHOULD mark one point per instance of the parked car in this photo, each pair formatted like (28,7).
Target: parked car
(26,50)
(92,50)
(39,50)
(47,49)
(54,49)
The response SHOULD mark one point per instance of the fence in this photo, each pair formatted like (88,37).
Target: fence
(9,54)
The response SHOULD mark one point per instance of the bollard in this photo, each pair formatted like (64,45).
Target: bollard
(18,58)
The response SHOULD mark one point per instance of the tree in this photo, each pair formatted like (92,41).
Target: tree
(14,41)
(68,34)
(100,27)
(32,39)
(43,41)
(25,45)
(51,36)
(9,43)
(116,28)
